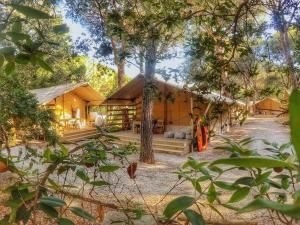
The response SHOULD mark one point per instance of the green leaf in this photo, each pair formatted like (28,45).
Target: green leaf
(47,154)
(108,168)
(239,194)
(287,209)
(22,214)
(17,27)
(63,169)
(197,186)
(296,197)
(285,183)
(211,194)
(273,184)
(99,183)
(44,65)
(262,177)
(203,178)
(216,169)
(194,217)
(246,141)
(226,185)
(253,162)
(7,51)
(9,67)
(178,204)
(52,201)
(1,60)
(16,36)
(193,164)
(14,203)
(64,150)
(31,12)
(138,214)
(22,58)
(294,112)
(216,210)
(65,221)
(49,210)
(264,188)
(80,212)
(54,184)
(26,196)
(249,181)
(61,29)
(82,174)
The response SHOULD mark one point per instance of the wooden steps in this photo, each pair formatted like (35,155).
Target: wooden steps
(79,135)
(160,144)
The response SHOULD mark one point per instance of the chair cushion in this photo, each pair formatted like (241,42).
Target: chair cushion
(179,135)
(169,134)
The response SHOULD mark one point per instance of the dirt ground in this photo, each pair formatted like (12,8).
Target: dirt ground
(154,181)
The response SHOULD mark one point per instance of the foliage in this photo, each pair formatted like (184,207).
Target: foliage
(47,186)
(19,47)
(31,43)
(269,179)
(21,114)
(103,79)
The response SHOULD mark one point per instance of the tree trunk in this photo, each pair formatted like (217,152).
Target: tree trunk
(121,73)
(147,154)
(141,61)
(247,98)
(119,60)
(254,96)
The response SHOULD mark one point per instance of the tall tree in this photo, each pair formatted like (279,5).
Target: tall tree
(148,25)
(285,14)
(95,14)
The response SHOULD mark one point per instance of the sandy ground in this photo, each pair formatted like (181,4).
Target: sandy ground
(154,181)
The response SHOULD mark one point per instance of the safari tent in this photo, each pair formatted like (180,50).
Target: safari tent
(268,106)
(71,104)
(173,108)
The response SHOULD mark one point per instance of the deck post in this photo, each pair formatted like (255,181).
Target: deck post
(165,107)
(192,122)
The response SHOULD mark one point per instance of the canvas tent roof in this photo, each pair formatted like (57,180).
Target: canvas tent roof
(268,99)
(83,90)
(133,89)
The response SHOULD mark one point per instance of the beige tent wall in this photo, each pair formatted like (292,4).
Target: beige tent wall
(178,112)
(268,106)
(67,104)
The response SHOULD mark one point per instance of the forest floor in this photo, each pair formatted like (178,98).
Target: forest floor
(155,181)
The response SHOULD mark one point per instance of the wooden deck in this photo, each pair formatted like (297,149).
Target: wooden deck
(74,135)
(160,143)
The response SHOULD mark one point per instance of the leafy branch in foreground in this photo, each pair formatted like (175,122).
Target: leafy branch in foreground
(270,180)
(58,177)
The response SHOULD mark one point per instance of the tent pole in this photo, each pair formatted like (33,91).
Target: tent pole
(207,108)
